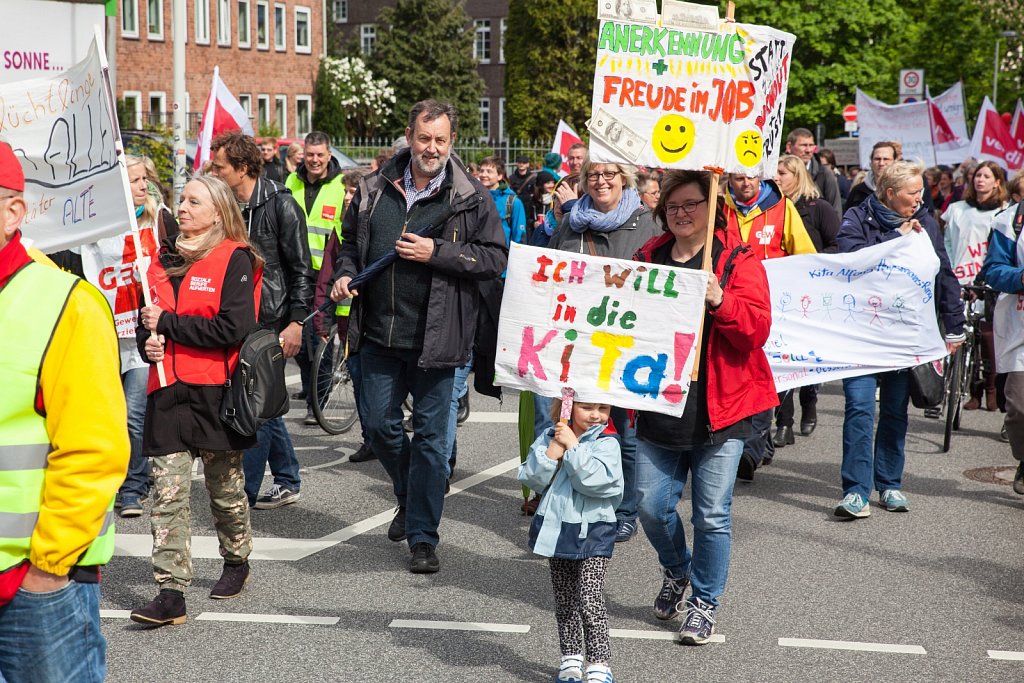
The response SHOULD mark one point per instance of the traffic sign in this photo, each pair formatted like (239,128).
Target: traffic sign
(850,112)
(911,83)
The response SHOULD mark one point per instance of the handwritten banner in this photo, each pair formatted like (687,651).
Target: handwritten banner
(113,266)
(60,128)
(45,38)
(615,331)
(669,95)
(844,315)
(908,124)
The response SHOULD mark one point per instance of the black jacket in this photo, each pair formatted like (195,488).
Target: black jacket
(470,248)
(274,170)
(277,229)
(821,222)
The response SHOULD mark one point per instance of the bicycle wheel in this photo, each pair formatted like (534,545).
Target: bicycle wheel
(334,400)
(972,375)
(954,379)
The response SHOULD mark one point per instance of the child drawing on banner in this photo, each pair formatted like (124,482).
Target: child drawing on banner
(784,302)
(826,305)
(578,467)
(805,305)
(875,302)
(850,301)
(899,305)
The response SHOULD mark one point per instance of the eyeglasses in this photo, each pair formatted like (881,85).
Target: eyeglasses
(607,175)
(656,193)
(687,207)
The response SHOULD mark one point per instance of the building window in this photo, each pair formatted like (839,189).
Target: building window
(482,43)
(262,25)
(340,8)
(244,24)
(245,100)
(133,99)
(501,40)
(367,38)
(224,22)
(155,19)
(281,113)
(501,119)
(130,18)
(203,22)
(157,109)
(303,112)
(280,19)
(303,40)
(485,117)
(262,111)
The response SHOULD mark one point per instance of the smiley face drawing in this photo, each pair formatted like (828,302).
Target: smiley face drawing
(672,138)
(749,148)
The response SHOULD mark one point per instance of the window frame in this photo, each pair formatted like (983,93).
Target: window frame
(334,11)
(308,48)
(280,27)
(281,113)
(247,4)
(155,36)
(203,39)
(162,96)
(265,6)
(502,28)
(308,100)
(134,5)
(482,53)
(367,31)
(137,109)
(224,23)
(263,99)
(245,101)
(484,107)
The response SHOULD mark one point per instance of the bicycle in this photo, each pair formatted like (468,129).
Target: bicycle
(964,367)
(334,401)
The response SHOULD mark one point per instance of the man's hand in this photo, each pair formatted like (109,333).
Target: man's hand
(340,290)
(38,581)
(291,340)
(150,317)
(412,247)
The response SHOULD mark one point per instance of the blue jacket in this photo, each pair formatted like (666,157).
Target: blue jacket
(860,228)
(576,515)
(1001,271)
(514,225)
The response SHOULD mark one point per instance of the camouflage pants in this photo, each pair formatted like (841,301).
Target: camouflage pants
(172,516)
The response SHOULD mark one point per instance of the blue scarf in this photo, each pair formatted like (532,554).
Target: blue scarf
(745,208)
(886,217)
(585,217)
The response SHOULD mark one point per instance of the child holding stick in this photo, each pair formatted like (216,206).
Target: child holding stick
(578,466)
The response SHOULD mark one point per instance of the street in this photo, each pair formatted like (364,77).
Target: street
(932,595)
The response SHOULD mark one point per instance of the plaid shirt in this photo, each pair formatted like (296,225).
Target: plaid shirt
(412,195)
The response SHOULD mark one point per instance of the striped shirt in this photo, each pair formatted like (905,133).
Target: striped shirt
(412,195)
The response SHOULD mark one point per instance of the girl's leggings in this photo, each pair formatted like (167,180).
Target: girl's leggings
(579,607)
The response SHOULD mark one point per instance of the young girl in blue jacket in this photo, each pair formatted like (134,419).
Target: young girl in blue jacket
(578,466)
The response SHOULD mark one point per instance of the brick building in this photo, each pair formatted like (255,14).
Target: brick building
(268,52)
(349,20)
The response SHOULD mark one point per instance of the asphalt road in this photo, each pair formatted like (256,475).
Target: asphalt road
(931,595)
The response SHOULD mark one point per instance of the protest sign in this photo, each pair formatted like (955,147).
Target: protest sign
(61,129)
(685,90)
(43,38)
(113,265)
(992,140)
(615,331)
(951,104)
(844,315)
(909,124)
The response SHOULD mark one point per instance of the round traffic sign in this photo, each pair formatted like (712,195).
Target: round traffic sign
(850,112)
(911,79)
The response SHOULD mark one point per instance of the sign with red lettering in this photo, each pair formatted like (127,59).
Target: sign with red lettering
(669,95)
(329,212)
(44,37)
(112,264)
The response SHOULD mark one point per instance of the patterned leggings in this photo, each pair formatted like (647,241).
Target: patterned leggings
(579,607)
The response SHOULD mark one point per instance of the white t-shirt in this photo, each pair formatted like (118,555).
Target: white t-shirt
(967,233)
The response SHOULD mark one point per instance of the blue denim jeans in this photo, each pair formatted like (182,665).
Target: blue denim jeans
(274,446)
(627,444)
(874,456)
(418,469)
(53,637)
(542,421)
(134,384)
(356,373)
(459,389)
(660,478)
(759,444)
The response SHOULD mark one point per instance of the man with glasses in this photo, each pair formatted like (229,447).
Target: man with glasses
(650,190)
(883,154)
(800,143)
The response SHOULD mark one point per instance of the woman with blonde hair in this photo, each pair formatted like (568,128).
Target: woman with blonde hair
(293,157)
(205,289)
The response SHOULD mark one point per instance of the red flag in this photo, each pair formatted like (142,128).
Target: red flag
(222,113)
(942,132)
(1017,126)
(992,140)
(565,137)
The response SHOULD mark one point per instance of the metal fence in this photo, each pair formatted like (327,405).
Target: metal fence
(364,149)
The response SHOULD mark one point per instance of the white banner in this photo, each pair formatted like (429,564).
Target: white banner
(951,104)
(40,39)
(113,265)
(615,331)
(844,315)
(908,124)
(60,127)
(682,90)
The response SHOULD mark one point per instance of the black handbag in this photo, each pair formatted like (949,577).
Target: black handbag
(256,392)
(928,384)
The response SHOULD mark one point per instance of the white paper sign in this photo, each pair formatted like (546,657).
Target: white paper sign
(44,38)
(615,331)
(844,315)
(112,265)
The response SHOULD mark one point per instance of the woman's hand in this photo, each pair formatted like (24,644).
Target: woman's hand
(714,294)
(150,317)
(565,436)
(953,346)
(155,348)
(912,225)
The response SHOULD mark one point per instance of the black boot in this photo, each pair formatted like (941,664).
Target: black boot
(809,420)
(167,608)
(784,437)
(231,582)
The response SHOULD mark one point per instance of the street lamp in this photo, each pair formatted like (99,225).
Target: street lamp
(995,66)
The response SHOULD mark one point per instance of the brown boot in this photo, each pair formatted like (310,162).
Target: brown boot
(973,404)
(990,400)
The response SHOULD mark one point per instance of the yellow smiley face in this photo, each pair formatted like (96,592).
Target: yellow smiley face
(749,148)
(672,138)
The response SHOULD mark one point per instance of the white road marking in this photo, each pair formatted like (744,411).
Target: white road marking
(512,418)
(268,618)
(852,645)
(308,448)
(1008,655)
(115,613)
(459,626)
(655,635)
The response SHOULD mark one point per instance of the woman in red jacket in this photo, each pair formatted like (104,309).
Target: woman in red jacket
(734,382)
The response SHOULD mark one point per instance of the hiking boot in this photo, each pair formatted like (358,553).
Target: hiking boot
(666,605)
(853,506)
(166,609)
(626,529)
(699,622)
(396,532)
(364,454)
(131,506)
(231,582)
(276,497)
(424,559)
(1018,479)
(894,500)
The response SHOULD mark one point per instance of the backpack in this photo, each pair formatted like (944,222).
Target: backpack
(256,391)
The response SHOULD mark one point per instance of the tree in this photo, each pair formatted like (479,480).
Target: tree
(350,101)
(424,50)
(550,53)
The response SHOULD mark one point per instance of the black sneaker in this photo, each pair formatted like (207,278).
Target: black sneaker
(666,605)
(396,532)
(745,472)
(364,454)
(424,559)
(166,609)
(1018,479)
(299,396)
(276,497)
(310,419)
(231,582)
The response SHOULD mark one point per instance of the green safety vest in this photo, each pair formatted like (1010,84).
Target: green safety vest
(323,217)
(31,305)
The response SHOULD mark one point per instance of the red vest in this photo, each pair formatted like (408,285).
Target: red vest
(199,294)
(766,230)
